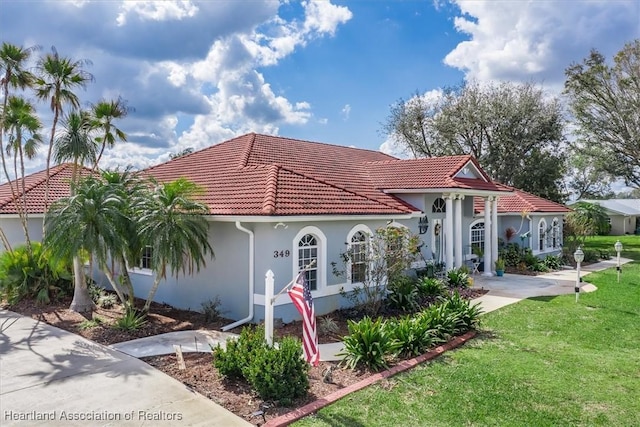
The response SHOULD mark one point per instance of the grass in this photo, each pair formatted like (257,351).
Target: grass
(542,362)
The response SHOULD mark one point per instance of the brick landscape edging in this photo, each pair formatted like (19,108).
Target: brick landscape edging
(286,419)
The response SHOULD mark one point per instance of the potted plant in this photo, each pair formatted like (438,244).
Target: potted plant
(499,264)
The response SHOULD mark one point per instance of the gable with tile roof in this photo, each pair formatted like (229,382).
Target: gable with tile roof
(278,203)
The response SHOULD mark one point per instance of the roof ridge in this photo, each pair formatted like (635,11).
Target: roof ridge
(271,190)
(244,159)
(339,187)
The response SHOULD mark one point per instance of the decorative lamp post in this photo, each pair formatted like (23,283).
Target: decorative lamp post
(618,248)
(578,256)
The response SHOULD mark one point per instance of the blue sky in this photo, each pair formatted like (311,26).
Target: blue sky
(198,73)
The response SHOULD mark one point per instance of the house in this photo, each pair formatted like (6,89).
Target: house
(623,214)
(278,203)
(526,219)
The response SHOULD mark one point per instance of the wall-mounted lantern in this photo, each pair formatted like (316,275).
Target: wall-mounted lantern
(423,225)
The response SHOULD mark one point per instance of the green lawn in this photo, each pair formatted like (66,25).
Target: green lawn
(542,362)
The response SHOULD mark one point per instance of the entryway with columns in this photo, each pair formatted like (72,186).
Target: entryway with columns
(453,232)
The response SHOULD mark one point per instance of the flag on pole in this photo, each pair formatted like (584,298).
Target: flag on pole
(300,294)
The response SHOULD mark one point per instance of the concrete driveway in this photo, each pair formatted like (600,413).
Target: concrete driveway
(52,377)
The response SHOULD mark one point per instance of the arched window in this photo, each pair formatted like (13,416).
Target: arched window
(308,252)
(476,237)
(439,205)
(310,244)
(542,235)
(555,234)
(358,251)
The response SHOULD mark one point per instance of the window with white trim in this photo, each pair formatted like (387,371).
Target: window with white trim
(542,235)
(358,248)
(476,236)
(308,252)
(555,234)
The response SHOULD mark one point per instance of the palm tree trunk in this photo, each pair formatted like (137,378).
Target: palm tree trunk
(24,217)
(82,302)
(152,292)
(115,286)
(56,114)
(126,281)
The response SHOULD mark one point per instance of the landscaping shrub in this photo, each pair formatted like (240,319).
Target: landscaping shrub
(211,310)
(131,321)
(412,336)
(33,276)
(279,373)
(467,314)
(590,256)
(234,361)
(458,278)
(403,293)
(328,326)
(369,344)
(553,262)
(100,297)
(430,286)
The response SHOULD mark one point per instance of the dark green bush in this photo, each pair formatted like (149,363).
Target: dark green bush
(403,293)
(591,256)
(466,314)
(211,309)
(458,278)
(412,336)
(234,361)
(279,373)
(33,276)
(430,286)
(553,262)
(369,344)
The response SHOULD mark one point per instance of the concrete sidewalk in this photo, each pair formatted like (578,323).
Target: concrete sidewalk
(52,377)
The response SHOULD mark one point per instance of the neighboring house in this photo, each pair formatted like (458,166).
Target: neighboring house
(623,214)
(278,203)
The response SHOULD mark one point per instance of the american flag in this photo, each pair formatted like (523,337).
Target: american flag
(300,294)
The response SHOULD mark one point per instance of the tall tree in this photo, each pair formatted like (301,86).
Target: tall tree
(87,222)
(588,177)
(173,225)
(22,126)
(605,101)
(77,144)
(508,127)
(57,78)
(105,112)
(13,74)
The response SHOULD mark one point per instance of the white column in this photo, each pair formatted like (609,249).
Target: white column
(268,307)
(488,264)
(494,230)
(448,233)
(458,230)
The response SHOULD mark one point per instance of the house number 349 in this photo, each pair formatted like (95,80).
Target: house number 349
(281,254)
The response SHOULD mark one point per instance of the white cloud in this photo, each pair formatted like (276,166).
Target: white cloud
(346,110)
(156,10)
(537,40)
(324,17)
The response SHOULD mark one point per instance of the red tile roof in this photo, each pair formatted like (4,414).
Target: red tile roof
(521,201)
(34,187)
(270,175)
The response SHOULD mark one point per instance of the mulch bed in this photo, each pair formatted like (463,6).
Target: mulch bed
(236,396)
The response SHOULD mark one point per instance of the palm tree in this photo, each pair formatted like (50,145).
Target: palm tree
(88,221)
(22,125)
(57,78)
(76,143)
(173,225)
(105,112)
(13,74)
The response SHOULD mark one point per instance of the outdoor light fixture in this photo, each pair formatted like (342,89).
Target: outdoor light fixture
(578,256)
(423,224)
(618,248)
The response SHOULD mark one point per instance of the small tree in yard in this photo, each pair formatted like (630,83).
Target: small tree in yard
(375,261)
(586,219)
